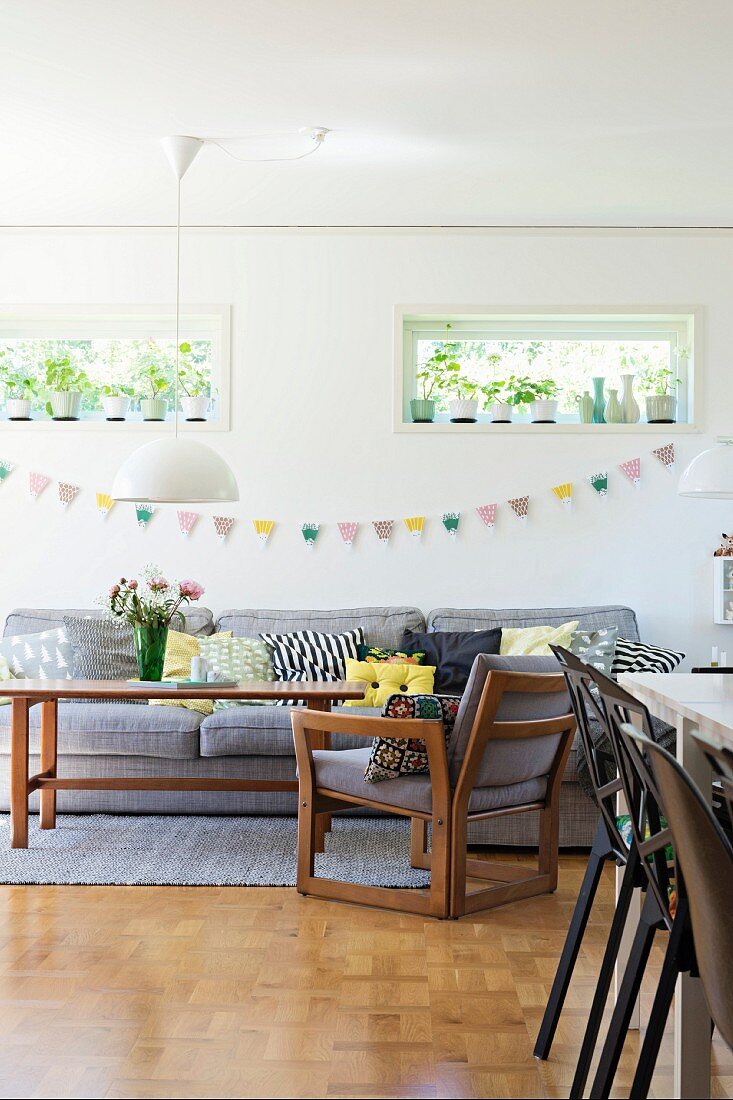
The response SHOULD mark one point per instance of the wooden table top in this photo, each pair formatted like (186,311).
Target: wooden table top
(311,690)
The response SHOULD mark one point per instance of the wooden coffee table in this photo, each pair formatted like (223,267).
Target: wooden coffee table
(46,693)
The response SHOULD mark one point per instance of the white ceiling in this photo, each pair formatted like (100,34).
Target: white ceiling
(445,112)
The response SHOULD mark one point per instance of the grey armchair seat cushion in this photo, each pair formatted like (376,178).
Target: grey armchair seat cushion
(507,762)
(119,729)
(344,771)
(29,620)
(383,626)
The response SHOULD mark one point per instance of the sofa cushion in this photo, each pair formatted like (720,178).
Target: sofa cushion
(27,620)
(45,655)
(384,679)
(344,771)
(104,649)
(383,626)
(122,729)
(452,653)
(261,731)
(589,618)
(391,757)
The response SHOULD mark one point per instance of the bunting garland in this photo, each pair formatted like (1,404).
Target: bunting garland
(487,514)
(6,469)
(665,455)
(415,525)
(263,529)
(600,483)
(144,513)
(67,492)
(310,534)
(187,521)
(383,529)
(564,493)
(632,469)
(520,507)
(222,526)
(105,504)
(451,521)
(347,530)
(37,483)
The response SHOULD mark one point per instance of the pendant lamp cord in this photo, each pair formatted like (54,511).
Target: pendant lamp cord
(178,308)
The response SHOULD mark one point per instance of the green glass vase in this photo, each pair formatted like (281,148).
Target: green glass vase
(150,642)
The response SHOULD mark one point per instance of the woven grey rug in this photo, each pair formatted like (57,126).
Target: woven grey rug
(158,850)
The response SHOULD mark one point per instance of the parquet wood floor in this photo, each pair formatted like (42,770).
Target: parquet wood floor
(207,992)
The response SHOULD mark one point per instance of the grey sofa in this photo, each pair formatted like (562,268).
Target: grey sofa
(255,741)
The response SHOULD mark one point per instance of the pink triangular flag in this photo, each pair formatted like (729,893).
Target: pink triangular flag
(487,512)
(383,529)
(520,507)
(348,531)
(632,469)
(67,492)
(187,521)
(37,483)
(665,455)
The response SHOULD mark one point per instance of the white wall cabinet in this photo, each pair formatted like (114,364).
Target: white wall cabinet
(723,576)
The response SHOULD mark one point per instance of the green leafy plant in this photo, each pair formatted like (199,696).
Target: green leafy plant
(522,390)
(493,391)
(114,389)
(18,385)
(194,381)
(62,377)
(660,381)
(438,373)
(154,380)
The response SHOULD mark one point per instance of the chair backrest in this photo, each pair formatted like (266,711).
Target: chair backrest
(706,861)
(603,767)
(509,705)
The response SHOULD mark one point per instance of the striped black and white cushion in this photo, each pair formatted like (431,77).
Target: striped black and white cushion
(308,655)
(640,657)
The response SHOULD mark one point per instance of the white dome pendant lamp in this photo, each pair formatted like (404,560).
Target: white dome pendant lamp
(176,471)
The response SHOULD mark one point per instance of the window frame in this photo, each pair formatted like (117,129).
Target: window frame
(414,322)
(74,321)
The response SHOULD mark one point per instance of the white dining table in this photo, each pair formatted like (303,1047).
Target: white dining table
(700,707)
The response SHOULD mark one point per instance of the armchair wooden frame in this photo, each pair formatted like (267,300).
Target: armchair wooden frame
(447,861)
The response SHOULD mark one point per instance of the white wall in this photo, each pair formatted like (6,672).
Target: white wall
(311,429)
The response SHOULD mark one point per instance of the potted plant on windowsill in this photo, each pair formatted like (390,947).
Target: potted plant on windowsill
(499,411)
(19,388)
(464,406)
(537,393)
(153,406)
(196,386)
(437,374)
(661,406)
(116,401)
(66,386)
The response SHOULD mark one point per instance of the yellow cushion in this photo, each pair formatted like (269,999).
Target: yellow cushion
(384,679)
(534,641)
(179,649)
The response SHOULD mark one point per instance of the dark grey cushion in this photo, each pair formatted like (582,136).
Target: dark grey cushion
(589,618)
(123,729)
(261,731)
(344,771)
(383,626)
(507,762)
(27,620)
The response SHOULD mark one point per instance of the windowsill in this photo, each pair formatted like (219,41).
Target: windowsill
(123,426)
(486,428)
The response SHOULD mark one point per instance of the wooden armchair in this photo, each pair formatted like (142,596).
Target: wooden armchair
(506,755)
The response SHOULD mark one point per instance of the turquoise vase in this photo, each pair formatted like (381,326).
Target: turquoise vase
(598,401)
(150,642)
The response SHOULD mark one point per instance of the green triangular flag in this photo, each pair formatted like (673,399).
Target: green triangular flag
(599,483)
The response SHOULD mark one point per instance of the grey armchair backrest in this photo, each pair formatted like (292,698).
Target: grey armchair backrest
(506,761)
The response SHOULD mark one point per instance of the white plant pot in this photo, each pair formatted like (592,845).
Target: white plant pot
(18,408)
(65,405)
(116,408)
(501,412)
(661,408)
(544,410)
(463,409)
(195,408)
(154,408)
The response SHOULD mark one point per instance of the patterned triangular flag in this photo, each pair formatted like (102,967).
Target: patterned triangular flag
(415,525)
(105,504)
(451,521)
(487,513)
(37,483)
(144,513)
(632,469)
(520,507)
(564,493)
(6,469)
(383,529)
(222,526)
(600,483)
(310,533)
(67,492)
(347,530)
(263,529)
(187,521)
(665,455)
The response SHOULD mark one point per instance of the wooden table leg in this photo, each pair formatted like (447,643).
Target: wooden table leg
(49,729)
(321,740)
(19,773)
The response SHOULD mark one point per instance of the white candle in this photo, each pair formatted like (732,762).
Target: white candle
(723,659)
(197,669)
(714,659)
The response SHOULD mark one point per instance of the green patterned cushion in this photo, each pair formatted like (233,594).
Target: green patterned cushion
(239,659)
(375,655)
(595,647)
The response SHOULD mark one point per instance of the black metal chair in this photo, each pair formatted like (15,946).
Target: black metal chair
(609,845)
(705,886)
(665,905)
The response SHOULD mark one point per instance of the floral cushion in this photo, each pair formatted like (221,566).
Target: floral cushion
(392,757)
(374,654)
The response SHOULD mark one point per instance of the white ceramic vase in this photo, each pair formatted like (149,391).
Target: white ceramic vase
(154,408)
(463,409)
(501,412)
(543,411)
(65,405)
(629,404)
(18,408)
(195,408)
(116,408)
